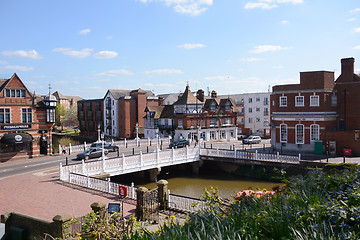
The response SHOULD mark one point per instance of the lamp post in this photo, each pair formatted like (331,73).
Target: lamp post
(98,133)
(137,134)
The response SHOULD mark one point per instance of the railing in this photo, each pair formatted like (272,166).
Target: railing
(238,154)
(129,164)
(122,143)
(184,203)
(101,185)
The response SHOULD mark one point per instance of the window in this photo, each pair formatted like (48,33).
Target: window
(50,115)
(17,92)
(12,92)
(258,109)
(266,101)
(283,101)
(266,112)
(341,124)
(266,123)
(283,133)
(23,93)
(257,119)
(192,122)
(333,100)
(212,121)
(7,92)
(250,120)
(314,132)
(4,115)
(227,107)
(299,134)
(250,100)
(180,123)
(299,101)
(26,114)
(212,107)
(314,101)
(227,121)
(258,99)
(250,110)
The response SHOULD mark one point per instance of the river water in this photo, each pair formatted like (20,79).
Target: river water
(193,185)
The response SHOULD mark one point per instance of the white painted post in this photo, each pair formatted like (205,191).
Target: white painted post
(148,142)
(60,172)
(217,151)
(103,164)
(108,185)
(169,199)
(70,150)
(83,166)
(69,177)
(172,155)
(256,155)
(84,145)
(87,181)
(235,151)
(157,156)
(141,159)
(299,157)
(125,142)
(60,152)
(132,191)
(123,161)
(277,156)
(187,153)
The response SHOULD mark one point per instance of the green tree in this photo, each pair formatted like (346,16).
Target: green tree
(59,116)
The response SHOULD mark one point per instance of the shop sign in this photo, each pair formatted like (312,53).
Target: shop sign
(13,127)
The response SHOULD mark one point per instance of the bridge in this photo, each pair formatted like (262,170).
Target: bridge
(158,159)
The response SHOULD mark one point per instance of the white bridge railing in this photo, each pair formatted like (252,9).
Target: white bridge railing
(238,154)
(101,185)
(129,164)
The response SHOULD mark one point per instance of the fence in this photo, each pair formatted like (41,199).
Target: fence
(184,203)
(123,143)
(101,185)
(251,155)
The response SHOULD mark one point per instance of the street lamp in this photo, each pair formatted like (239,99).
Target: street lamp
(137,134)
(98,133)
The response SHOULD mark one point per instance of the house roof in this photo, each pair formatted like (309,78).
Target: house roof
(187,98)
(123,93)
(59,96)
(164,111)
(220,102)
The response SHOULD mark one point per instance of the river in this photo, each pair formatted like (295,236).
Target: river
(193,185)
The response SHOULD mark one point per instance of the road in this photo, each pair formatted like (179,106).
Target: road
(17,167)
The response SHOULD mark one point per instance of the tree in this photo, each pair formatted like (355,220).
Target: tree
(59,116)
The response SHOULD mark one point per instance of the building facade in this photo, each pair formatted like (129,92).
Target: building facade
(26,121)
(90,116)
(66,101)
(124,112)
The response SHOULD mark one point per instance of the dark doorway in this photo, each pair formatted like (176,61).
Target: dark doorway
(43,145)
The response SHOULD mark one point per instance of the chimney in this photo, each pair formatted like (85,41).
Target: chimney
(347,67)
(200,95)
(213,94)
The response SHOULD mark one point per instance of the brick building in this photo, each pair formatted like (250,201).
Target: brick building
(319,114)
(90,116)
(26,121)
(123,109)
(66,101)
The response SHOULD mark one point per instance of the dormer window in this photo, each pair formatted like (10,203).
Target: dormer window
(212,107)
(227,107)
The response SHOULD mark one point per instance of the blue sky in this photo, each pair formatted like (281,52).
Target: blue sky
(232,46)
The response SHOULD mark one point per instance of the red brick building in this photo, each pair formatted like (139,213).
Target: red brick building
(90,116)
(319,114)
(26,121)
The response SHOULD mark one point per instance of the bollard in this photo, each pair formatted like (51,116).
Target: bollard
(118,152)
(133,151)
(344,159)
(147,149)
(211,146)
(327,156)
(67,161)
(161,147)
(204,144)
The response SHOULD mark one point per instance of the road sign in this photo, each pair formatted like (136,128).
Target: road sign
(123,191)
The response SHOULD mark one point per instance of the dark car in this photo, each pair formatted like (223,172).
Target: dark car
(179,143)
(91,153)
(108,146)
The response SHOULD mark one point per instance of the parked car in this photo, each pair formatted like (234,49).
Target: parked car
(91,153)
(108,146)
(252,140)
(179,143)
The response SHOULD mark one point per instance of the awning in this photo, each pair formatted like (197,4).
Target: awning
(16,138)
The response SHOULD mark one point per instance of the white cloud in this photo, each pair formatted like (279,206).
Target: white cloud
(355,10)
(269,4)
(357,47)
(105,54)
(109,37)
(351,19)
(115,73)
(22,54)
(73,53)
(18,68)
(3,62)
(284,22)
(251,5)
(357,30)
(191,7)
(278,67)
(251,59)
(219,78)
(84,31)
(191,45)
(269,48)
(164,71)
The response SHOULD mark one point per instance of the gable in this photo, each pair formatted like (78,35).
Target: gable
(15,83)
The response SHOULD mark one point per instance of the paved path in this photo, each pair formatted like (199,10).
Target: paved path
(40,194)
